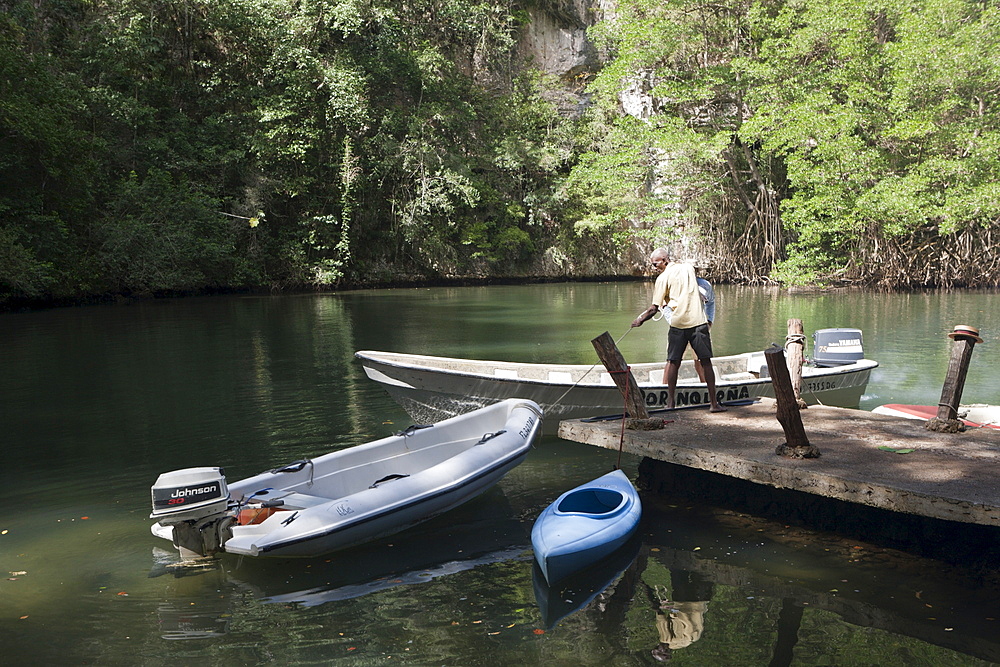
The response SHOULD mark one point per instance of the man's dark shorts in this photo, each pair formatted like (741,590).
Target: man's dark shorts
(698,337)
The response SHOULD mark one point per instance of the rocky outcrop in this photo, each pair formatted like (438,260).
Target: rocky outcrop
(555,42)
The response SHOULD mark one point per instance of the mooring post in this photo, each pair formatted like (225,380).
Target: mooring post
(613,360)
(795,345)
(947,420)
(796,443)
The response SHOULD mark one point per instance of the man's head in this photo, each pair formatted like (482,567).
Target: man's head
(662,653)
(659,258)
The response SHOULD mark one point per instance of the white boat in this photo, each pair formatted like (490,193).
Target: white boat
(973,415)
(314,506)
(430,388)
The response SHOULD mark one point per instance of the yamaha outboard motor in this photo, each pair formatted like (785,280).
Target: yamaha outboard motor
(837,347)
(195,501)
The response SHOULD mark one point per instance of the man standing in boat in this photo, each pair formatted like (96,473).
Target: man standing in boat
(677,286)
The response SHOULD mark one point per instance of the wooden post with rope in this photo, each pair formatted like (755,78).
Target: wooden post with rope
(613,360)
(947,420)
(796,443)
(795,345)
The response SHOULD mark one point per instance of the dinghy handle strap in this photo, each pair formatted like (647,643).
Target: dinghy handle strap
(413,428)
(387,478)
(489,436)
(296,466)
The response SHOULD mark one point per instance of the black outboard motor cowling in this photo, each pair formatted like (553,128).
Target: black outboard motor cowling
(195,501)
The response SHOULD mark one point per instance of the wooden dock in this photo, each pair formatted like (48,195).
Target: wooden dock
(951,477)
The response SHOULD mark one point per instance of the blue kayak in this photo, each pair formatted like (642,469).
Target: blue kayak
(585,525)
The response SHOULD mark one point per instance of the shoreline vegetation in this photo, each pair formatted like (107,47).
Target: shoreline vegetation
(170,147)
(40,304)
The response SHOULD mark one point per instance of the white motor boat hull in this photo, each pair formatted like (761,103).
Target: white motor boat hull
(362,493)
(430,388)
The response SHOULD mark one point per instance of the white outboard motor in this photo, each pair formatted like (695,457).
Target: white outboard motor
(837,347)
(195,502)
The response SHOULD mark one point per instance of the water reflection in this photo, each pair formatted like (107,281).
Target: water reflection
(392,579)
(671,601)
(572,594)
(680,611)
(707,583)
(96,402)
(188,613)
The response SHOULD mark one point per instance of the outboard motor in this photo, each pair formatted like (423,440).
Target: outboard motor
(195,501)
(837,347)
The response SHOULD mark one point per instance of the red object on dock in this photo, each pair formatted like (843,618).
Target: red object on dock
(930,411)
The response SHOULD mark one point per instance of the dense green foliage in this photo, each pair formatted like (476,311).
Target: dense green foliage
(810,141)
(149,146)
(173,145)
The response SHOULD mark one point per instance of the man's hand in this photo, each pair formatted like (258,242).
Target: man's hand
(645,315)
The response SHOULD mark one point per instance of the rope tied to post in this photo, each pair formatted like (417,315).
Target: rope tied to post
(621,436)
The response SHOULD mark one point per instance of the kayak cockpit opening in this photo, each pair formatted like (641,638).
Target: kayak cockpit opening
(592,501)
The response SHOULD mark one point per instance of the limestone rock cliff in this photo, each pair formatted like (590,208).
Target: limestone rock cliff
(555,41)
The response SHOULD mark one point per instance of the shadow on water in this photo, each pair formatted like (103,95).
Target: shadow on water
(804,572)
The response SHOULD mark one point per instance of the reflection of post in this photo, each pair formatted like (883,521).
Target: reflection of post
(796,443)
(789,622)
(615,363)
(795,345)
(615,608)
(947,420)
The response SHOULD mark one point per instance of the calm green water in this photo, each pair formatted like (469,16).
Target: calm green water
(96,402)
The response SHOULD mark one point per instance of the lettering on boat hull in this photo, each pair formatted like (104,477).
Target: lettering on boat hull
(655,399)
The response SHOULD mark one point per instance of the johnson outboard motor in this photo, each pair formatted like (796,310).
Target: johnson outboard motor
(195,501)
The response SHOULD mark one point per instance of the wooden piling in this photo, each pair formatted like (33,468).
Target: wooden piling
(795,345)
(947,420)
(613,360)
(796,443)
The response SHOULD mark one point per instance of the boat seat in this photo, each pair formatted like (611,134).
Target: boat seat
(656,377)
(560,376)
(607,379)
(757,365)
(295,500)
(510,373)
